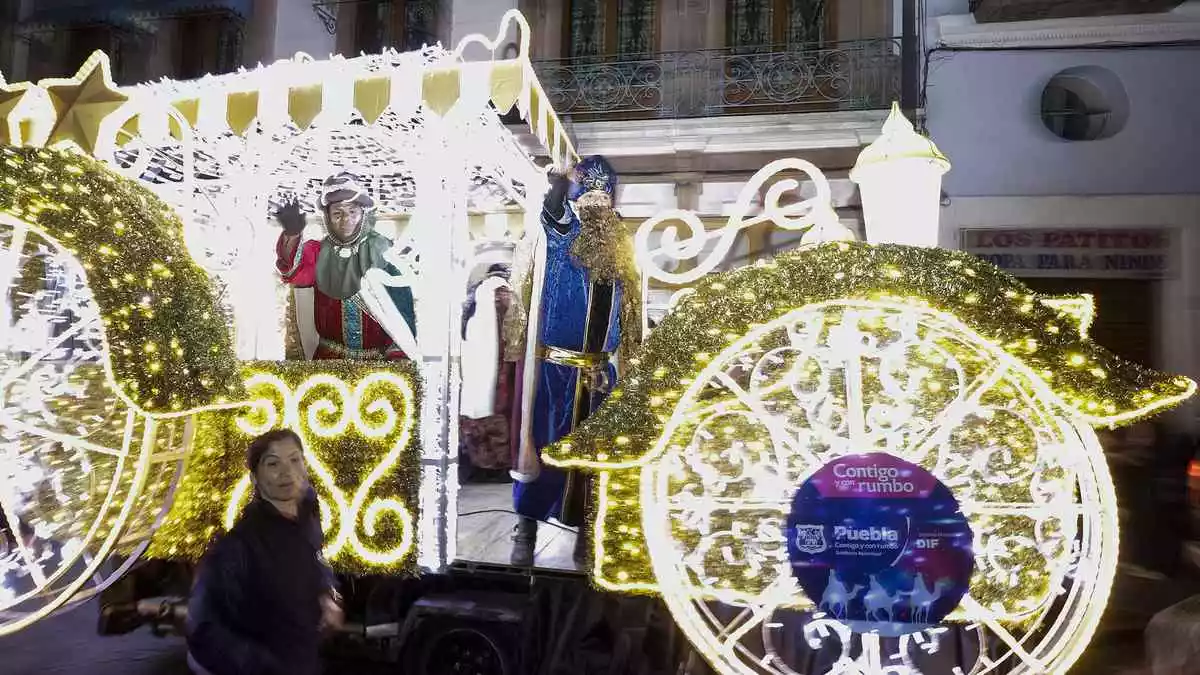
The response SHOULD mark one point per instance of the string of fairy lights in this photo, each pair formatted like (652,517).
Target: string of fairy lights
(223,153)
(358,424)
(155,304)
(769,362)
(82,461)
(116,357)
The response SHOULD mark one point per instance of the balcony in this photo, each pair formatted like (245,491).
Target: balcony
(79,12)
(858,75)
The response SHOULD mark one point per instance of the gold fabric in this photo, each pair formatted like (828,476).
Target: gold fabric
(372,96)
(507,82)
(76,108)
(572,358)
(441,90)
(304,104)
(242,111)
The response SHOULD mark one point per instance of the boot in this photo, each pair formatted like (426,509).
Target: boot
(524,541)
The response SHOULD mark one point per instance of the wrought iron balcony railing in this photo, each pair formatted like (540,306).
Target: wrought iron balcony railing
(859,75)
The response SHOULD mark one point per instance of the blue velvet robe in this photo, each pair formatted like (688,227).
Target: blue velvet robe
(564,309)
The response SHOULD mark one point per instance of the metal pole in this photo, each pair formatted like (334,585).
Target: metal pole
(910,60)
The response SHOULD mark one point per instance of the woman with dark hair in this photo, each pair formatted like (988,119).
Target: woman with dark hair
(264,592)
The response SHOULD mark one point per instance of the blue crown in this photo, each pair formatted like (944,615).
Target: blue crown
(593,174)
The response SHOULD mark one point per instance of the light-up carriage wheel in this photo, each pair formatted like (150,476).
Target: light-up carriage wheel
(86,476)
(847,377)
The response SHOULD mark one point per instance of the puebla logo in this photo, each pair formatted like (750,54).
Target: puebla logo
(810,539)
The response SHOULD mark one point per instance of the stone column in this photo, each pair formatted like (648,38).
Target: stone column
(259,42)
(9,15)
(714,37)
(1179,323)
(687,191)
(687,28)
(347,28)
(546,20)
(162,60)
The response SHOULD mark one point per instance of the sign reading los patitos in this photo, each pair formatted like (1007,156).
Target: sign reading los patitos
(1075,252)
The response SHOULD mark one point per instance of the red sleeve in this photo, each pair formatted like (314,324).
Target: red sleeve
(297,264)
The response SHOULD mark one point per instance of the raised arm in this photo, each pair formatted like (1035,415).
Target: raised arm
(290,255)
(554,206)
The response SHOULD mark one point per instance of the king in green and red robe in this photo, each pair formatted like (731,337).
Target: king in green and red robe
(353,319)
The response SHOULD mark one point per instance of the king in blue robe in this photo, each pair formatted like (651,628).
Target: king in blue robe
(585,312)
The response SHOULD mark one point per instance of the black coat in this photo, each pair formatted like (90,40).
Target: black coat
(256,605)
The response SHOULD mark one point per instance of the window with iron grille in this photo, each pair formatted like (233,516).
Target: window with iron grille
(82,41)
(61,53)
(597,28)
(210,42)
(759,23)
(403,25)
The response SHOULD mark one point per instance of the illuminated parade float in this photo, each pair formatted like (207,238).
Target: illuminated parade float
(868,458)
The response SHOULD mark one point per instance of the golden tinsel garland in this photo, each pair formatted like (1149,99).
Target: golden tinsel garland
(217,462)
(169,348)
(1099,386)
(1047,337)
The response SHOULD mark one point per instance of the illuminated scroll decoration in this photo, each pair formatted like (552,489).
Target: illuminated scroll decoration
(761,375)
(163,338)
(780,206)
(358,424)
(91,444)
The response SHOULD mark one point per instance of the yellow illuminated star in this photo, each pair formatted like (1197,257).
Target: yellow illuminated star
(24,112)
(83,104)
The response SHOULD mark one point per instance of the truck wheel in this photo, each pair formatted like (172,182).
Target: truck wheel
(449,647)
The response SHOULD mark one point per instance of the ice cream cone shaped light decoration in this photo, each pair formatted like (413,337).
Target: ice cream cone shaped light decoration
(900,179)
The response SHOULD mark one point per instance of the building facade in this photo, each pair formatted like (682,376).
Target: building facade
(1073,142)
(1071,135)
(689,98)
(179,39)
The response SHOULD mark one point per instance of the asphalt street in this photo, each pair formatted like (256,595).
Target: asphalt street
(68,643)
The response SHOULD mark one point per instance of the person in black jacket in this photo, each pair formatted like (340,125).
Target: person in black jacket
(264,593)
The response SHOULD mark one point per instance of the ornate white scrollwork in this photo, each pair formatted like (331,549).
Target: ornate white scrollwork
(325,406)
(709,248)
(848,377)
(84,478)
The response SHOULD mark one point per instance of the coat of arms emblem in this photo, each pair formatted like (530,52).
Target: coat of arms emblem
(810,539)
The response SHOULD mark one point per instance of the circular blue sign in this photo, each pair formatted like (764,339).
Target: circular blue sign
(880,544)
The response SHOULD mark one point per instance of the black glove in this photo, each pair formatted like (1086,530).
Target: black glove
(556,197)
(291,218)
